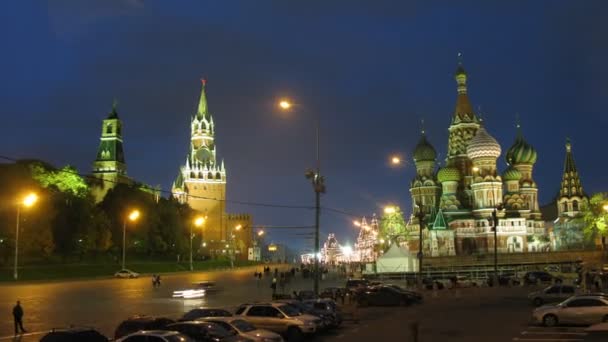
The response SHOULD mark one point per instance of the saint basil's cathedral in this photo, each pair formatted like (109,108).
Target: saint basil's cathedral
(458,201)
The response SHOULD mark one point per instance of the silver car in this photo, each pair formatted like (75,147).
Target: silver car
(574,310)
(551,294)
(245,329)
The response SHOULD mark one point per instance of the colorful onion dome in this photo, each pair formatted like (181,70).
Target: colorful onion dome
(448,174)
(521,152)
(483,145)
(424,151)
(511,174)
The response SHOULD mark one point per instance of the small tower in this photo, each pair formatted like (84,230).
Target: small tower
(109,167)
(424,188)
(571,194)
(522,156)
(483,150)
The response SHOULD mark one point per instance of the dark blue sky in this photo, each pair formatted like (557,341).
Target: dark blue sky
(370,70)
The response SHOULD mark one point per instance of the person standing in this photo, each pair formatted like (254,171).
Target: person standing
(18,316)
(273,286)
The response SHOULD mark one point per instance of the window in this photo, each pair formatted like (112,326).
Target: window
(575,205)
(565,206)
(240,310)
(567,289)
(585,302)
(552,290)
(109,129)
(262,311)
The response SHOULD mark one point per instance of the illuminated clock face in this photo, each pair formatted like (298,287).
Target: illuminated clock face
(204,155)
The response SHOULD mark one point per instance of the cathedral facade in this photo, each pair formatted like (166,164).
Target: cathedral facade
(460,201)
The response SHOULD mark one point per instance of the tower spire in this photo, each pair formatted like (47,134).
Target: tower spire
(464,110)
(113,114)
(571,182)
(202,103)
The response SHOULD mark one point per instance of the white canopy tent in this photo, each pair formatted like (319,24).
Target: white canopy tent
(397,260)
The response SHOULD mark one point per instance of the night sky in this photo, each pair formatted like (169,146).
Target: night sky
(369,70)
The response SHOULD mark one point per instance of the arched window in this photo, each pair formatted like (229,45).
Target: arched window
(575,205)
(109,129)
(210,175)
(565,206)
(218,176)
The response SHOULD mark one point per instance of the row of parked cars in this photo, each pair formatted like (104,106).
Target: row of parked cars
(274,321)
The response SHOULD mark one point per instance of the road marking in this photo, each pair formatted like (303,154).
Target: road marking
(18,337)
(547,339)
(552,333)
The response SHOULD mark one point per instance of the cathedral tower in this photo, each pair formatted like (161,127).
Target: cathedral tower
(201,181)
(571,195)
(109,167)
(462,129)
(483,150)
(424,188)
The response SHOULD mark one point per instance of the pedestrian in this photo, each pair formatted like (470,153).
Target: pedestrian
(273,286)
(18,316)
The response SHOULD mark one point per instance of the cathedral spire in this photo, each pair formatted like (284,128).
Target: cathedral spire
(113,114)
(202,103)
(464,110)
(571,182)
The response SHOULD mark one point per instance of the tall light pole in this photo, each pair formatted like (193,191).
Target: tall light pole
(420,215)
(198,222)
(238,227)
(133,216)
(28,201)
(495,224)
(318,185)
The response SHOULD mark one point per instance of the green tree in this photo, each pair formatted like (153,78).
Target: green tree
(595,216)
(392,225)
(66,180)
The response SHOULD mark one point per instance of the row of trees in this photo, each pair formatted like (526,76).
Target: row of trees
(67,224)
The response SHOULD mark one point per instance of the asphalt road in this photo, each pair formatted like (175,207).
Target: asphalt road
(104,303)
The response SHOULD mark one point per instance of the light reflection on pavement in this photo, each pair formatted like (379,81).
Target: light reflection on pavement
(104,303)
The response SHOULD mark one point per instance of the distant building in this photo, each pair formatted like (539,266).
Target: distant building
(109,168)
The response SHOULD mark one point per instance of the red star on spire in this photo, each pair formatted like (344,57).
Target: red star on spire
(204,81)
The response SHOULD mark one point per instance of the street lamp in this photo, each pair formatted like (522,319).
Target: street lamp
(420,215)
(318,185)
(495,224)
(133,216)
(198,222)
(27,201)
(389,210)
(238,227)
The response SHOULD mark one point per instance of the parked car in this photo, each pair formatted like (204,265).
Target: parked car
(281,318)
(332,292)
(197,313)
(306,294)
(137,323)
(155,336)
(74,335)
(326,320)
(328,308)
(538,277)
(202,331)
(245,329)
(417,297)
(552,294)
(354,284)
(574,310)
(125,273)
(383,296)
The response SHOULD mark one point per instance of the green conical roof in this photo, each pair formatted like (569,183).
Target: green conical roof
(202,103)
(424,151)
(440,222)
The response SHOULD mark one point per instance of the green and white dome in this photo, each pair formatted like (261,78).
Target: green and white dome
(424,151)
(483,145)
(511,174)
(521,152)
(448,174)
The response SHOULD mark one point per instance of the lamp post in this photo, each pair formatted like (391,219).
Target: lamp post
(495,224)
(420,215)
(238,227)
(198,222)
(28,201)
(133,216)
(318,185)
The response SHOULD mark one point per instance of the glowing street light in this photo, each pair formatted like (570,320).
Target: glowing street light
(605,207)
(260,233)
(28,201)
(133,216)
(238,227)
(395,160)
(389,210)
(198,222)
(357,223)
(285,104)
(475,169)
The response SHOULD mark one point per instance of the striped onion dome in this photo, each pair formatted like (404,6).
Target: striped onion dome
(511,174)
(448,174)
(483,145)
(521,152)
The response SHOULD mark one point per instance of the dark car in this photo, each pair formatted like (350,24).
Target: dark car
(538,277)
(383,296)
(327,307)
(137,323)
(206,332)
(354,284)
(202,312)
(415,296)
(74,335)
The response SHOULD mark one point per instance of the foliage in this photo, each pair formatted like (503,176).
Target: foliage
(594,216)
(66,180)
(392,225)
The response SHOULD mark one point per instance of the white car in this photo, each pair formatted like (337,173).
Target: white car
(574,310)
(155,335)
(125,273)
(245,329)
